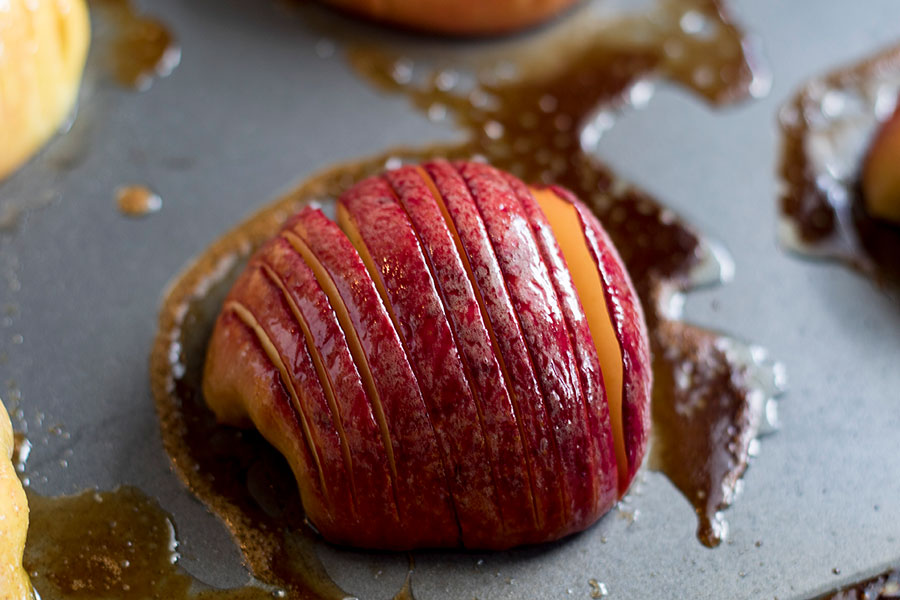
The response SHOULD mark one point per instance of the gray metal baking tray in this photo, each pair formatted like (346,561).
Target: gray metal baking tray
(255,105)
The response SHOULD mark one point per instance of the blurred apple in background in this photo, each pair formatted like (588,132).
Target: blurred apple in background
(881,172)
(457,17)
(459,359)
(43,45)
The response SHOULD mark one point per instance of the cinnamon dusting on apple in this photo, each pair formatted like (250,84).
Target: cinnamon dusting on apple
(711,392)
(827,128)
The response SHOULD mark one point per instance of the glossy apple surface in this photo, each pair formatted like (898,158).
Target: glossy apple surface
(457,17)
(460,359)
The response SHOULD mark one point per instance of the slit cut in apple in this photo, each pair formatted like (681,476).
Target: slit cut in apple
(468,318)
(376,505)
(240,383)
(321,372)
(539,440)
(246,317)
(428,517)
(378,223)
(569,233)
(356,350)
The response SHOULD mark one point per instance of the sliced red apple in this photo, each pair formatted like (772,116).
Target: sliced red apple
(241,384)
(568,271)
(378,227)
(468,364)
(364,448)
(262,308)
(426,510)
(543,327)
(528,401)
(881,172)
(624,307)
(468,317)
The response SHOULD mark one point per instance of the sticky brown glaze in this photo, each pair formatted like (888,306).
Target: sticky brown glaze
(111,545)
(137,47)
(826,129)
(530,125)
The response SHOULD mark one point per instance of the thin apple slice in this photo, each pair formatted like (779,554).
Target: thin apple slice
(446,257)
(528,402)
(567,272)
(261,306)
(881,172)
(241,384)
(543,327)
(631,332)
(426,510)
(556,222)
(363,446)
(379,228)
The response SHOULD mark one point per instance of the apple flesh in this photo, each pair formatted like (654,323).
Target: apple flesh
(13,518)
(881,172)
(459,360)
(44,45)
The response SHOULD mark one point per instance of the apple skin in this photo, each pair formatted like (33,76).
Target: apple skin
(418,194)
(403,271)
(469,409)
(241,386)
(427,514)
(457,17)
(544,328)
(375,503)
(880,178)
(631,328)
(536,430)
(602,452)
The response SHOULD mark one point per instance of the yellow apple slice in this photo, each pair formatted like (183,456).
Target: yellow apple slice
(44,44)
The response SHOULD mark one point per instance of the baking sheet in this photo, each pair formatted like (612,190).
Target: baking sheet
(259,101)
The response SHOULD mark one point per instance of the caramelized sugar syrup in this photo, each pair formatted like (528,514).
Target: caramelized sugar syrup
(531,112)
(137,48)
(826,129)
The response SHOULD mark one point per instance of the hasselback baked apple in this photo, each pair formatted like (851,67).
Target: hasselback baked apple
(459,359)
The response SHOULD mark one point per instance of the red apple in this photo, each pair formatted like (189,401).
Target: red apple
(426,510)
(881,172)
(364,448)
(627,314)
(506,455)
(536,430)
(379,228)
(461,359)
(544,329)
(602,450)
(241,384)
